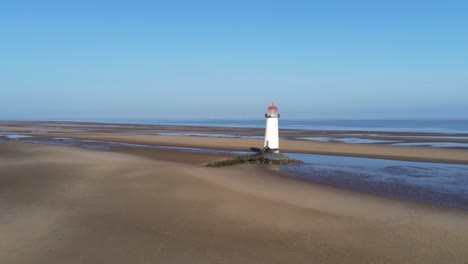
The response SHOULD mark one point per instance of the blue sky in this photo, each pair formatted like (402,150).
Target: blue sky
(231,59)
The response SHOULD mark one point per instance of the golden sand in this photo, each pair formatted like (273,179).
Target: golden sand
(70,205)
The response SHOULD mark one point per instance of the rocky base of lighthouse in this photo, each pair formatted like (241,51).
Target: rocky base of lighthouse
(260,158)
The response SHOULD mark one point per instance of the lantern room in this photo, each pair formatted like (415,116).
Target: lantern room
(272,111)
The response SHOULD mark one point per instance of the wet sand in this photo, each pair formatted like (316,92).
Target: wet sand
(70,205)
(148,134)
(357,150)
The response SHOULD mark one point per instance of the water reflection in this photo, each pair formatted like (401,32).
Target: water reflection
(438,183)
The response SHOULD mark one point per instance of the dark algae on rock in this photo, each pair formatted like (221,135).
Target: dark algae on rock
(271,159)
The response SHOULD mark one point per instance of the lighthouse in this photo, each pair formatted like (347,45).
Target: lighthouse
(271,131)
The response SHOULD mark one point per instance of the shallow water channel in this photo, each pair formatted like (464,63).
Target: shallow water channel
(436,183)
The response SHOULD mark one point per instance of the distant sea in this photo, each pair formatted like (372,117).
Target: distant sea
(421,125)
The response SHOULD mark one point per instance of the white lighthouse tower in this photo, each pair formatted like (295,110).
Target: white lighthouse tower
(271,131)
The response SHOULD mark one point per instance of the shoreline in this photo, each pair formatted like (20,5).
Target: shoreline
(223,127)
(437,155)
(301,124)
(149,134)
(175,148)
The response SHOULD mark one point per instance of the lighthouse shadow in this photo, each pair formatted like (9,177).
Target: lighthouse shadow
(256,150)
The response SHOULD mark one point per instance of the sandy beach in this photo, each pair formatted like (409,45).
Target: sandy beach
(72,205)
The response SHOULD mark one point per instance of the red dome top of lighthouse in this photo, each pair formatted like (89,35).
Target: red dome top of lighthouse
(273,107)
